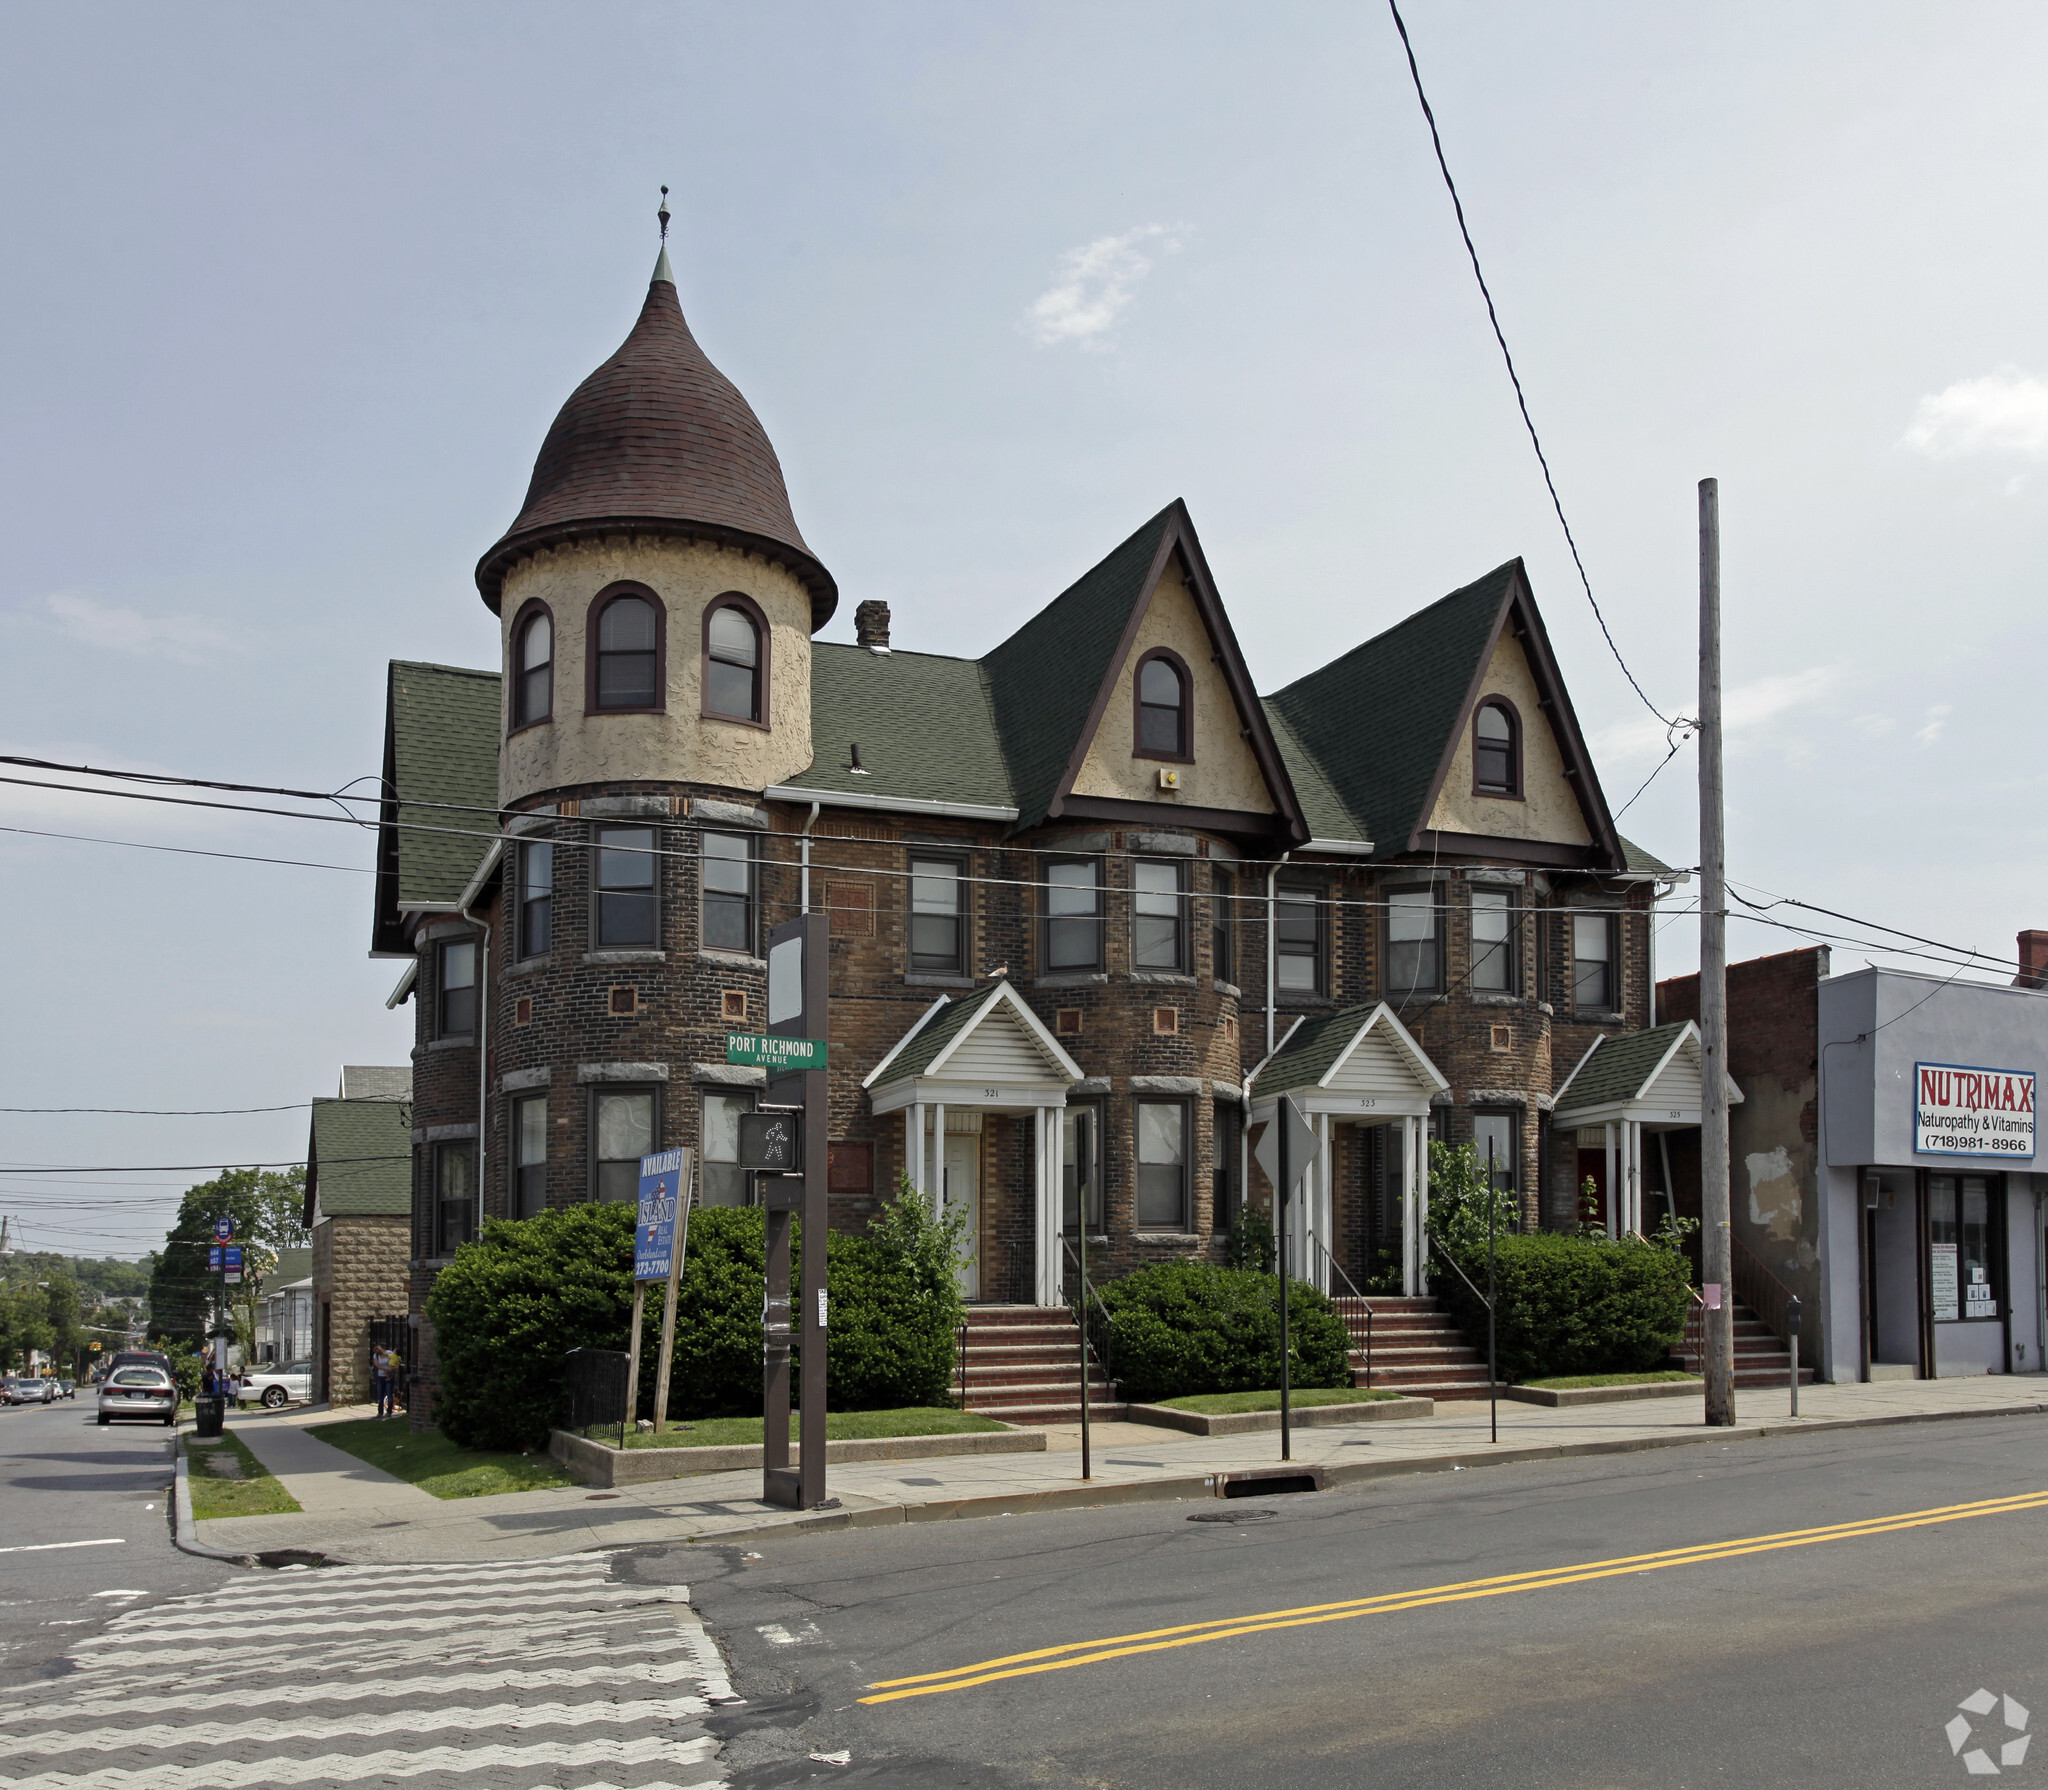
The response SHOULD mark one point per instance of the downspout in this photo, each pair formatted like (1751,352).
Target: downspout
(1272,949)
(804,896)
(483,1056)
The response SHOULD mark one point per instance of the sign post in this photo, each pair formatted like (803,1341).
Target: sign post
(659,1240)
(793,1051)
(1287,1148)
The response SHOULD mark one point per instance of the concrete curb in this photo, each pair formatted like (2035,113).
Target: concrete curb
(1603,1395)
(184,1529)
(1246,1423)
(1335,1476)
(600,1464)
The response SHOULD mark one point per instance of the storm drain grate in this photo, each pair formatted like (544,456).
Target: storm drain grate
(1254,1515)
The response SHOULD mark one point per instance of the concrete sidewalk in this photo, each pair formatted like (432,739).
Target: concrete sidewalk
(355,1513)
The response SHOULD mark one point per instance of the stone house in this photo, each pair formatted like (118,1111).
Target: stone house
(358,1206)
(1092,899)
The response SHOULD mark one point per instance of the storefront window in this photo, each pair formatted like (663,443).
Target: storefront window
(1962,1238)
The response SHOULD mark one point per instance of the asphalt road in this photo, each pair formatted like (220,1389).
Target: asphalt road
(1801,1660)
(64,1481)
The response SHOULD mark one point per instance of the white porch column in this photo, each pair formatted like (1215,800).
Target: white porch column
(1613,1183)
(1411,1213)
(1632,1142)
(1326,1183)
(1048,1206)
(913,1144)
(939,1158)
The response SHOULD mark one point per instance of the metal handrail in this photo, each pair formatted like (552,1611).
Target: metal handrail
(1103,1338)
(1692,1340)
(963,1364)
(1446,1255)
(1761,1290)
(1351,1294)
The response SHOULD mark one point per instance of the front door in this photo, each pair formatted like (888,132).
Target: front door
(961,1193)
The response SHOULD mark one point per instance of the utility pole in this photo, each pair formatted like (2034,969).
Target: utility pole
(1715,1252)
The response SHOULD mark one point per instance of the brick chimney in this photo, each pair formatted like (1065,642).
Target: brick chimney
(2033,961)
(871,630)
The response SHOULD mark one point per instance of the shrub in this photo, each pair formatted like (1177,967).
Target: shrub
(1458,1199)
(1572,1305)
(1185,1327)
(512,1305)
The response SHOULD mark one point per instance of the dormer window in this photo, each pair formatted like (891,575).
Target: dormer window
(735,661)
(1163,729)
(1496,750)
(533,656)
(626,667)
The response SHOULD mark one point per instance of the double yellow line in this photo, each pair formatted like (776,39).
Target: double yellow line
(1155,1640)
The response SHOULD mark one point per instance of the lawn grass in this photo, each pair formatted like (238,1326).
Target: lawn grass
(427,1459)
(1229,1404)
(226,1480)
(840,1426)
(1575,1382)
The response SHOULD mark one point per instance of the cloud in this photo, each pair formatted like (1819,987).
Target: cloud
(113,628)
(1094,285)
(2003,413)
(1937,719)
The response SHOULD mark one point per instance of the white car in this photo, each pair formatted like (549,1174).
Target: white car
(24,1389)
(275,1387)
(138,1392)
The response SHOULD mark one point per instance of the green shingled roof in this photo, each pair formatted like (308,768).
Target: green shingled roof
(1313,1051)
(1618,1068)
(943,1027)
(440,746)
(1043,680)
(1640,862)
(1376,721)
(359,1163)
(923,724)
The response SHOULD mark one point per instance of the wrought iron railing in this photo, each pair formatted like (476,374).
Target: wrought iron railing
(1692,1341)
(1101,1333)
(1767,1297)
(1352,1306)
(596,1386)
(960,1368)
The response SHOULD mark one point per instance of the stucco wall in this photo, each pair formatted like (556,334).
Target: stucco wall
(1224,774)
(1548,810)
(679,745)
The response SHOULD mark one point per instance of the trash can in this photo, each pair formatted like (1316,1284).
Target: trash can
(209,1411)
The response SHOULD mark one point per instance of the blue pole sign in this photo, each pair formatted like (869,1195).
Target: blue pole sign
(223,1228)
(213,1258)
(661,1188)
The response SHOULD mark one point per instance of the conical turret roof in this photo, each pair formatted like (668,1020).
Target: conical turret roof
(657,440)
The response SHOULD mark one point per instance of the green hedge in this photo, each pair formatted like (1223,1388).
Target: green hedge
(512,1305)
(1185,1327)
(1573,1305)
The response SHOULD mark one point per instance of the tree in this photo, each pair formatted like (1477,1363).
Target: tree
(267,1206)
(1458,1199)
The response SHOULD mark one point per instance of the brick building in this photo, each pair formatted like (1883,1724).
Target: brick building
(1079,888)
(358,1201)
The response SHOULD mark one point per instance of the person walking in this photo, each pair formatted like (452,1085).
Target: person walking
(384,1378)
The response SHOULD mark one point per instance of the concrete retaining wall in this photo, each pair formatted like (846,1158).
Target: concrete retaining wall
(1240,1423)
(597,1463)
(1604,1395)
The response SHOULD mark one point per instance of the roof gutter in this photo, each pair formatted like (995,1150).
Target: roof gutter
(1343,848)
(404,988)
(787,792)
(483,1018)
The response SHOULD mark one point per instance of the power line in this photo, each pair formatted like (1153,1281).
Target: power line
(166,1112)
(1521,399)
(187,851)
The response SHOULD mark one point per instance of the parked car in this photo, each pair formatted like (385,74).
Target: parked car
(139,1358)
(139,1392)
(25,1389)
(275,1387)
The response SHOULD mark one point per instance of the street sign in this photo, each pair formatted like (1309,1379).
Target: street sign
(661,1184)
(772,1142)
(223,1228)
(213,1258)
(231,1258)
(1302,1146)
(779,1056)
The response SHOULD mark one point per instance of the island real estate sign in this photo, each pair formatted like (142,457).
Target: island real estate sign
(1964,1111)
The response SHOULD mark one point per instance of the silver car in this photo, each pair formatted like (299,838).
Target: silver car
(138,1392)
(24,1389)
(276,1387)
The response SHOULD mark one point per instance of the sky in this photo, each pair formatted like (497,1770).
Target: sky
(291,295)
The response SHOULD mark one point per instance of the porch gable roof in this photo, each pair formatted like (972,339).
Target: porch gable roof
(1366,1044)
(1658,1067)
(999,1021)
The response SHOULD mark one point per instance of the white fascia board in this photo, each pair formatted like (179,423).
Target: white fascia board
(1557,1100)
(1343,848)
(1344,1106)
(1416,1054)
(1002,993)
(896,1050)
(404,988)
(482,876)
(1300,1020)
(832,798)
(967,1096)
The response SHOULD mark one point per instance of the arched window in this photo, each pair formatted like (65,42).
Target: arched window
(1162,691)
(736,644)
(533,660)
(1496,750)
(625,669)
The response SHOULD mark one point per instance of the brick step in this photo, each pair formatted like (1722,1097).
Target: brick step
(1033,1416)
(1451,1391)
(1017,1398)
(989,1316)
(1400,1380)
(982,1379)
(1012,1341)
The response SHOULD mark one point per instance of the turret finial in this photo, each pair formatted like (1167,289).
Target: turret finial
(661,268)
(662,214)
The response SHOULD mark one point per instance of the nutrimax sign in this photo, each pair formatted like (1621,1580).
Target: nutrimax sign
(1961,1111)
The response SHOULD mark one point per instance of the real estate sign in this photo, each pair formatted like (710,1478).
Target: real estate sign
(662,1190)
(1962,1110)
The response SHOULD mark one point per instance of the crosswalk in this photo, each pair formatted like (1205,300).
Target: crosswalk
(537,1675)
